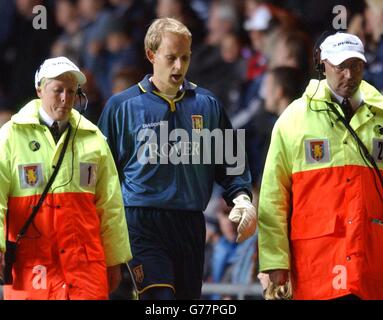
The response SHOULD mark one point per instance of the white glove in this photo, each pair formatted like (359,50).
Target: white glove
(245,215)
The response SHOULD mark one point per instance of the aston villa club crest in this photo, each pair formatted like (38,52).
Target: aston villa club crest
(138,273)
(30,175)
(197,122)
(317,150)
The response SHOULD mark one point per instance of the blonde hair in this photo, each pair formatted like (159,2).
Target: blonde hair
(158,28)
(44,82)
(66,75)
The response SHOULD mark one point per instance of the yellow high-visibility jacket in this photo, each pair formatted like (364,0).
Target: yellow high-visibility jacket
(321,205)
(80,229)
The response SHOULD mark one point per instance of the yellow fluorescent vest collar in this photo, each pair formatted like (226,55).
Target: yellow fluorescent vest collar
(318,91)
(29,114)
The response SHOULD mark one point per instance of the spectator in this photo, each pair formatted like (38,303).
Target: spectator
(25,49)
(69,43)
(280,90)
(125,78)
(120,52)
(182,11)
(374,72)
(5,112)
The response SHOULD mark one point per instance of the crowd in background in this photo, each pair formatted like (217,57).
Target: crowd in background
(254,55)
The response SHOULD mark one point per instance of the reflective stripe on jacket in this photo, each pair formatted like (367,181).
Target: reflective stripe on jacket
(321,206)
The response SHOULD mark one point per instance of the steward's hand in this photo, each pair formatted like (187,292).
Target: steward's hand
(277,286)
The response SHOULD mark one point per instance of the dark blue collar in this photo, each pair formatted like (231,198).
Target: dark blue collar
(147,86)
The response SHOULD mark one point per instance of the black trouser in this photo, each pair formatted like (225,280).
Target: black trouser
(168,248)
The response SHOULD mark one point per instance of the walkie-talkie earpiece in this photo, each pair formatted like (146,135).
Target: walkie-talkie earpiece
(37,77)
(79,91)
(319,67)
(81,94)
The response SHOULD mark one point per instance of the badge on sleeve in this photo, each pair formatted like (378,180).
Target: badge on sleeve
(138,273)
(377,149)
(317,150)
(31,175)
(88,174)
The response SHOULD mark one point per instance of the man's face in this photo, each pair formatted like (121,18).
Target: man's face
(170,62)
(345,78)
(257,39)
(58,96)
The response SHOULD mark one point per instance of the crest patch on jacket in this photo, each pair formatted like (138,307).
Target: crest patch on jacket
(317,150)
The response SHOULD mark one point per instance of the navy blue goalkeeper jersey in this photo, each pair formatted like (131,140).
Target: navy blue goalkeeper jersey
(160,162)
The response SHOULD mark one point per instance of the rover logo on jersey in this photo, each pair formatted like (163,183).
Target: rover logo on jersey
(138,273)
(30,175)
(317,151)
(197,122)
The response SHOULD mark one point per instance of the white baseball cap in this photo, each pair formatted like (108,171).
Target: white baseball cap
(260,20)
(52,68)
(340,47)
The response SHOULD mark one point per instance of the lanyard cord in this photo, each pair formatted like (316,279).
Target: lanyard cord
(361,145)
(45,192)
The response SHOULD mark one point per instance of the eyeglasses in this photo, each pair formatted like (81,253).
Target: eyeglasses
(352,66)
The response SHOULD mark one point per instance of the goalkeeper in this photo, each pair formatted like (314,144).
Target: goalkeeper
(164,200)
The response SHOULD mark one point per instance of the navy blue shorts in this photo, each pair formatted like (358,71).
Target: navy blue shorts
(168,249)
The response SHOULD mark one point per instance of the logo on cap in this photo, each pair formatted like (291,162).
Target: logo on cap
(340,47)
